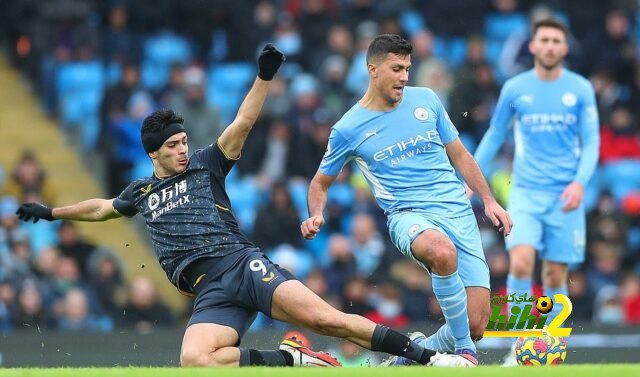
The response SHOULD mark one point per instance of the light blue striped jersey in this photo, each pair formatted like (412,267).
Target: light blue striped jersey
(555,129)
(402,154)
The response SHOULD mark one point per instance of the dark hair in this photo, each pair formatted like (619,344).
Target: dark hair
(388,43)
(550,22)
(155,121)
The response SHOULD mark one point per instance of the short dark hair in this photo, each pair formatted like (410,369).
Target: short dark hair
(388,43)
(550,22)
(155,121)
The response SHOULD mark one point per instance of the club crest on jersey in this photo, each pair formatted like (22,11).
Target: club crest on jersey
(421,114)
(153,201)
(569,99)
(413,230)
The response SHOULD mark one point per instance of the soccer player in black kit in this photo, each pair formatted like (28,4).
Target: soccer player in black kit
(196,239)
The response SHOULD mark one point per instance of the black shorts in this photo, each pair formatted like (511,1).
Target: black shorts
(234,288)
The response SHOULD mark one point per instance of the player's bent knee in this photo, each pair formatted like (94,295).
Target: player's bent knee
(521,267)
(193,357)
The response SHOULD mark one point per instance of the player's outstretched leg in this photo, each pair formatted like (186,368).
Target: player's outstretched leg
(296,304)
(213,345)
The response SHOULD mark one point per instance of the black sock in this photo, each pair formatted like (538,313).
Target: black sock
(390,341)
(272,358)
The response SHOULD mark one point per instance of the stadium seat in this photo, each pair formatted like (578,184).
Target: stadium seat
(160,51)
(80,88)
(227,85)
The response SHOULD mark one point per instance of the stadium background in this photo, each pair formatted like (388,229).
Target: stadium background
(79,76)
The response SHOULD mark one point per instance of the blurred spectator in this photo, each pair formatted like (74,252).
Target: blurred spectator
(28,174)
(620,136)
(472,101)
(119,43)
(606,309)
(457,18)
(278,222)
(307,150)
(367,244)
(7,305)
(581,298)
(415,288)
(173,90)
(105,276)
(277,146)
(201,120)
(317,283)
(616,49)
(435,75)
(71,244)
(630,297)
(356,296)
(76,316)
(31,310)
(605,269)
(341,264)
(388,309)
(143,311)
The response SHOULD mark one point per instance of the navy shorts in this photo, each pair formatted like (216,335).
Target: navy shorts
(230,290)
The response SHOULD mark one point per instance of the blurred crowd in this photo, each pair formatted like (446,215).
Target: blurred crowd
(101,66)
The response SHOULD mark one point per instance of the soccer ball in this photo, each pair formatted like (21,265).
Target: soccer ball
(544,304)
(546,350)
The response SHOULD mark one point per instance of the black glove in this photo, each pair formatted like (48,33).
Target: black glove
(35,210)
(269,61)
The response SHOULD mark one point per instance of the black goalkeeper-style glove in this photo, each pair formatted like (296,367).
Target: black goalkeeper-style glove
(269,61)
(36,211)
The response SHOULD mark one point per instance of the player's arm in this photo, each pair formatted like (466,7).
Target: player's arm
(337,154)
(234,136)
(498,129)
(463,161)
(87,210)
(316,201)
(589,134)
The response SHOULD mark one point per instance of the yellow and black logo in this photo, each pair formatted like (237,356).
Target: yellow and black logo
(544,304)
(146,189)
(269,278)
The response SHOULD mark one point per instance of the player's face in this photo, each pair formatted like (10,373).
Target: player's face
(549,47)
(172,155)
(391,76)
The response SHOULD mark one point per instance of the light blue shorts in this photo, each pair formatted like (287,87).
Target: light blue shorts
(539,221)
(406,226)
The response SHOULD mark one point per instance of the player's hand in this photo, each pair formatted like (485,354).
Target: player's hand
(311,226)
(269,61)
(572,196)
(499,217)
(37,211)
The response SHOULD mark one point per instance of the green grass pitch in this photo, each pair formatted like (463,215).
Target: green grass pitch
(584,370)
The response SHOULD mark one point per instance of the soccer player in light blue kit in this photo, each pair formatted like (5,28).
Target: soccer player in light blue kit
(401,138)
(556,151)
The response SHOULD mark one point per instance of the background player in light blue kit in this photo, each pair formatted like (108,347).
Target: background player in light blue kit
(556,151)
(402,138)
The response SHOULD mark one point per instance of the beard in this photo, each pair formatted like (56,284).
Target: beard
(551,66)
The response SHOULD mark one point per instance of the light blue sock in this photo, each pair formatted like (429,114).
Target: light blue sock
(557,307)
(441,341)
(452,297)
(519,287)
